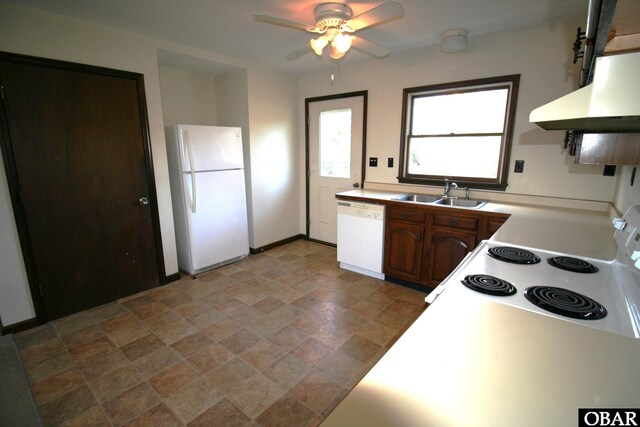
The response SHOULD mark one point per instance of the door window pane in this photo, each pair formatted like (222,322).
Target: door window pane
(335,143)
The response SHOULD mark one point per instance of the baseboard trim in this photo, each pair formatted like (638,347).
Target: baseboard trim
(19,327)
(408,284)
(322,242)
(255,251)
(171,278)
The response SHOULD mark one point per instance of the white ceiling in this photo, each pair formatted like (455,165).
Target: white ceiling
(227,27)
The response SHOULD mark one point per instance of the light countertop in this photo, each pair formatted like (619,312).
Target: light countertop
(458,365)
(576,231)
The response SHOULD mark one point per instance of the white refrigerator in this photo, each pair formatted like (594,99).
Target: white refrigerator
(206,169)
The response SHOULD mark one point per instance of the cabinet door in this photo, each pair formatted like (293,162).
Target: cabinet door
(448,248)
(403,250)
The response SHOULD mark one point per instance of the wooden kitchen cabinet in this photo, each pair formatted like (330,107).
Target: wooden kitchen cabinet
(446,250)
(423,244)
(403,243)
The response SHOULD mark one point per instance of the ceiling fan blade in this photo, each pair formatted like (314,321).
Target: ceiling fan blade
(369,47)
(298,53)
(282,22)
(378,15)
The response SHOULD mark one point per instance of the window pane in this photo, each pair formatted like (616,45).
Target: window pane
(468,112)
(468,156)
(335,143)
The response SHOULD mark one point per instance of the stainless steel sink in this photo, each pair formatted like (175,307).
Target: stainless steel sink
(419,198)
(462,203)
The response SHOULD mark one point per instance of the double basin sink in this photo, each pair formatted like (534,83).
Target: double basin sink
(443,201)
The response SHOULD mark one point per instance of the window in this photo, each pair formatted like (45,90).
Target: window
(335,143)
(460,131)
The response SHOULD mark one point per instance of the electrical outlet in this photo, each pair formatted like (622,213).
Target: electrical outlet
(519,166)
(373,162)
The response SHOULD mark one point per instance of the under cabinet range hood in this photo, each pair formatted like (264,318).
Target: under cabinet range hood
(610,104)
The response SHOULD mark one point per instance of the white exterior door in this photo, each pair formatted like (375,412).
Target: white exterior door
(336,139)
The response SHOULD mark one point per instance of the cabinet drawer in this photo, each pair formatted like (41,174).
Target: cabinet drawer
(458,222)
(412,215)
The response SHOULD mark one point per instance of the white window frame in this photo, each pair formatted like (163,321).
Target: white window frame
(510,82)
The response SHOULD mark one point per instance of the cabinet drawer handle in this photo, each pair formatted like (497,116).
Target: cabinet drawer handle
(454,222)
(405,215)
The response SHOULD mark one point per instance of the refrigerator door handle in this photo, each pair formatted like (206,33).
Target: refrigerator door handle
(187,141)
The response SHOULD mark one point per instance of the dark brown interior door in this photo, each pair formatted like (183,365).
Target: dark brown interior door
(74,142)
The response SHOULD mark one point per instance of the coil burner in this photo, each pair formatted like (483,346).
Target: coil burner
(489,285)
(513,255)
(565,302)
(575,265)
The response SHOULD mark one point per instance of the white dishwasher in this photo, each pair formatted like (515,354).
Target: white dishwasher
(361,237)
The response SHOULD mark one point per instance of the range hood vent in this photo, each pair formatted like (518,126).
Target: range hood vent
(610,104)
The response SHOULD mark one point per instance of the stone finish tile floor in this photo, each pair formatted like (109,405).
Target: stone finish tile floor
(277,339)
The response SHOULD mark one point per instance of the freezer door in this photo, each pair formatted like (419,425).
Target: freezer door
(217,230)
(206,148)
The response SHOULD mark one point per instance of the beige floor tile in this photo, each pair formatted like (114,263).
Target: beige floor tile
(131,404)
(286,411)
(312,351)
(141,347)
(159,415)
(51,366)
(94,417)
(262,354)
(193,400)
(316,390)
(83,336)
(227,375)
(223,413)
(209,358)
(240,341)
(174,379)
(114,383)
(191,344)
(101,364)
(57,386)
(67,406)
(255,394)
(287,370)
(156,362)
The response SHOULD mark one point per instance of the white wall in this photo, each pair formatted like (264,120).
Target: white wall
(626,195)
(187,97)
(275,176)
(542,57)
(232,103)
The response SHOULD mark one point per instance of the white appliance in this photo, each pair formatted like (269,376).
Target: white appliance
(361,237)
(601,294)
(206,168)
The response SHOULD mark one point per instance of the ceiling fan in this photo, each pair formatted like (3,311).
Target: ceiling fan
(337,27)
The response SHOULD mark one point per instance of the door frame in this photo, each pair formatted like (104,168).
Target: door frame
(364,94)
(12,174)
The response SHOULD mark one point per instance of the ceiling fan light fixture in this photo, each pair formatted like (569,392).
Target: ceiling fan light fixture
(335,53)
(319,44)
(342,42)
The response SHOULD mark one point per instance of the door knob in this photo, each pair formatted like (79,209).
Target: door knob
(143,201)
(356,185)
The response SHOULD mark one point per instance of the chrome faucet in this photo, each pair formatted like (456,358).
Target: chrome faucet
(448,186)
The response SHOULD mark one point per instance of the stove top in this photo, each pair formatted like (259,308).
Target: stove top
(597,299)
(601,294)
